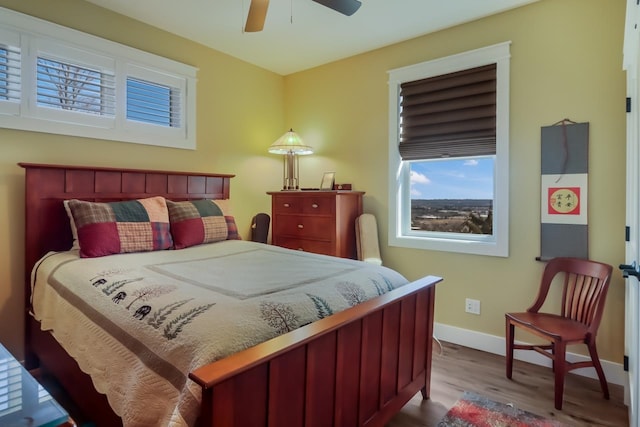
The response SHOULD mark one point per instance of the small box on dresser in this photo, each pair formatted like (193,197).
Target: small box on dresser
(321,222)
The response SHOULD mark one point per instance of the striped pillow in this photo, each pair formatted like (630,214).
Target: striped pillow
(196,222)
(119,227)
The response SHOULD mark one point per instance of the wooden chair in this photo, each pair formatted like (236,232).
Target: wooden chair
(584,289)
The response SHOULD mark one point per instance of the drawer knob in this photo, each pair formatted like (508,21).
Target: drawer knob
(286,205)
(300,226)
(314,206)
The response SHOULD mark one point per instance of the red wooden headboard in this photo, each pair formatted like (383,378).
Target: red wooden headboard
(46,186)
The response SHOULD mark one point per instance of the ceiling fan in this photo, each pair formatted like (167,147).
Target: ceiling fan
(258,11)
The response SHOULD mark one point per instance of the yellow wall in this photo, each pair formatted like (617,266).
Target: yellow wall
(566,62)
(240,112)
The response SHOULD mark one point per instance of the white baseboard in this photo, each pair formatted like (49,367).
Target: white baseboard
(614,372)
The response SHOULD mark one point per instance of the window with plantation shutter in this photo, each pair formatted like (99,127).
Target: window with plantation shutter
(67,86)
(449,153)
(10,69)
(153,103)
(62,81)
(452,115)
(9,73)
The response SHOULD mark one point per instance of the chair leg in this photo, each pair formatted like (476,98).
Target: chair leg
(596,364)
(559,369)
(509,355)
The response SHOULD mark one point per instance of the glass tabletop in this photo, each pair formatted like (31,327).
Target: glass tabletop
(24,402)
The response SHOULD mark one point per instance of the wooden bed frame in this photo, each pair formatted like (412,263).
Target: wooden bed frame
(355,368)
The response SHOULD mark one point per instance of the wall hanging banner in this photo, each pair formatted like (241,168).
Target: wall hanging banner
(564,195)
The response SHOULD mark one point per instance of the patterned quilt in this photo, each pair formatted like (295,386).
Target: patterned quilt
(139,323)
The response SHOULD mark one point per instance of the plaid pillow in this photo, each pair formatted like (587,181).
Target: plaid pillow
(196,222)
(119,227)
(232,228)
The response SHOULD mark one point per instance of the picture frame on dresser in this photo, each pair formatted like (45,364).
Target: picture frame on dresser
(328,180)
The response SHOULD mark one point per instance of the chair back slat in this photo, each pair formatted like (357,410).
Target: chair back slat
(585,286)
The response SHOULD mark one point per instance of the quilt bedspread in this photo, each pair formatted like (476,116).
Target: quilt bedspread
(139,323)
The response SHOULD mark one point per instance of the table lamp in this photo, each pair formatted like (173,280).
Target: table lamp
(291,146)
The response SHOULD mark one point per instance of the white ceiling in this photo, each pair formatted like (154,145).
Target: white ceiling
(301,34)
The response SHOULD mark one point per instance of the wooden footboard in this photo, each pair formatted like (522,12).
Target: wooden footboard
(355,368)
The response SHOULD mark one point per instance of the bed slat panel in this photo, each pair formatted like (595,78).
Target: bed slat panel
(178,185)
(424,328)
(156,183)
(216,186)
(197,184)
(370,365)
(287,384)
(349,354)
(390,342)
(108,182)
(79,181)
(133,183)
(321,368)
(241,401)
(406,349)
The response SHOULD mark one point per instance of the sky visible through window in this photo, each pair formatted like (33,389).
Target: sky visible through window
(4,76)
(149,103)
(452,179)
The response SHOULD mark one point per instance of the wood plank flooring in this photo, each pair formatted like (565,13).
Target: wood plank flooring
(460,368)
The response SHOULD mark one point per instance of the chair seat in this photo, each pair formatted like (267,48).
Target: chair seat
(551,325)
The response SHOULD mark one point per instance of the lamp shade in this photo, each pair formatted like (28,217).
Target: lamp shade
(290,143)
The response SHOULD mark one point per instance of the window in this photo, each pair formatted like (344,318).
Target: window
(448,153)
(152,103)
(9,72)
(66,86)
(57,80)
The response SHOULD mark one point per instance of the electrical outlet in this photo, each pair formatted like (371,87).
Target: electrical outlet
(472,306)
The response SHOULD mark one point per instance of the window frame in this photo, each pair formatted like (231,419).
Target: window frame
(36,37)
(400,233)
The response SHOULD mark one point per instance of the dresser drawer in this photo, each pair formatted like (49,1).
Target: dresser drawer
(309,227)
(306,205)
(315,246)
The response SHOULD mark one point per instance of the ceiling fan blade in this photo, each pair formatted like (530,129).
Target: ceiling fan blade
(257,15)
(346,7)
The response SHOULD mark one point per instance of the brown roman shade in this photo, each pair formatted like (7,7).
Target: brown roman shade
(451,115)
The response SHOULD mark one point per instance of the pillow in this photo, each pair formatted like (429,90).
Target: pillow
(200,221)
(232,228)
(74,230)
(119,227)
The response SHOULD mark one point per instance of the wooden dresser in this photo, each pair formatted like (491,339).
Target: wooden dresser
(322,222)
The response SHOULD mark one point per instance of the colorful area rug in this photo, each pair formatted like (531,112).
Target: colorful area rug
(473,410)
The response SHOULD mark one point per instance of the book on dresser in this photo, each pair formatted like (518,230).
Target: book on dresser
(321,222)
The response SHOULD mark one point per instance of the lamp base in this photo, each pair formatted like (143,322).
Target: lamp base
(290,173)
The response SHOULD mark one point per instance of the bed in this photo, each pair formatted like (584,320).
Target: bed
(358,366)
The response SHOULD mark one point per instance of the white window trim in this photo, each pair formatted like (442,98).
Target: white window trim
(399,184)
(34,33)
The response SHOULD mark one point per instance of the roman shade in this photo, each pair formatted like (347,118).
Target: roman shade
(450,115)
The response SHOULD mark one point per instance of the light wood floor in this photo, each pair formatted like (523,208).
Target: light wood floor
(460,369)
